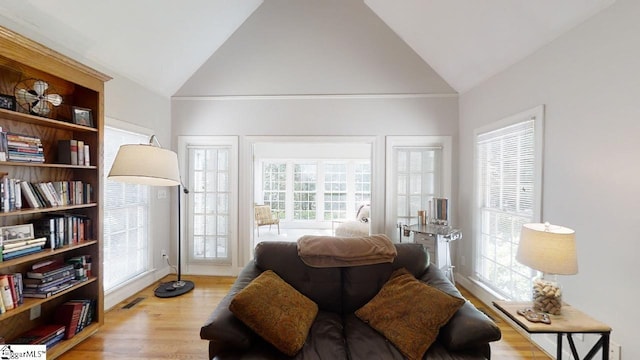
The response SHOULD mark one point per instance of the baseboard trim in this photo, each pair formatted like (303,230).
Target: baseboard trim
(130,288)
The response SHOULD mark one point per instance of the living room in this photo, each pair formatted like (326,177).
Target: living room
(306,70)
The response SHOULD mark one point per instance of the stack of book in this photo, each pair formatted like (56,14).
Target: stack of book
(75,315)
(23,148)
(11,292)
(49,335)
(49,278)
(16,248)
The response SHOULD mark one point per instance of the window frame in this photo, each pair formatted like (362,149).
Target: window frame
(537,114)
(137,130)
(208,267)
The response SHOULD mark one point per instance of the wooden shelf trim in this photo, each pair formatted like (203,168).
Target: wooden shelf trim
(28,211)
(33,302)
(46,165)
(42,121)
(64,346)
(45,254)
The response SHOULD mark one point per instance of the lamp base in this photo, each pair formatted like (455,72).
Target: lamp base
(173,288)
(547,296)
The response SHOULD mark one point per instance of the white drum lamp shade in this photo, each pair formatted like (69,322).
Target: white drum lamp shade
(145,164)
(550,249)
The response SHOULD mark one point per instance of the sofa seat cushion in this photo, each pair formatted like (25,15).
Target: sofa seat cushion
(275,311)
(409,313)
(325,341)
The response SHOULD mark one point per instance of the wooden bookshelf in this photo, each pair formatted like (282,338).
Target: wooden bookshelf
(81,86)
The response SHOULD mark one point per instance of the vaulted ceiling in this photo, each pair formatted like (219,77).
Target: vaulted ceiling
(161,43)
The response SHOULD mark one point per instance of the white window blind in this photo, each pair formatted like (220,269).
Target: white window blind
(508,193)
(126,217)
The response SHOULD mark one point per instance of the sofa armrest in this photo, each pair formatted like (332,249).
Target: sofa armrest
(222,328)
(468,327)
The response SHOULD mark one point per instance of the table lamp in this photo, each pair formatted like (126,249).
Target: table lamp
(550,249)
(150,164)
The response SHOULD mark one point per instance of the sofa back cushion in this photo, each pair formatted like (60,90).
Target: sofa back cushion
(361,283)
(322,285)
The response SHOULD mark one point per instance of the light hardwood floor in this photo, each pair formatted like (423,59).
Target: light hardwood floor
(157,328)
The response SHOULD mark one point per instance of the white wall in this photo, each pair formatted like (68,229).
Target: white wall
(590,83)
(313,68)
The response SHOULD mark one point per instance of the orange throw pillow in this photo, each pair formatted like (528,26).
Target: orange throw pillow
(276,311)
(409,313)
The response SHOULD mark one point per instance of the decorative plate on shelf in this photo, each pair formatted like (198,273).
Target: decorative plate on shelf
(36,97)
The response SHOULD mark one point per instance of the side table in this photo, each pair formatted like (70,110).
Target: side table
(570,321)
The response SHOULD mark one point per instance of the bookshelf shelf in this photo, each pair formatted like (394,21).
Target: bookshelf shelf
(47,165)
(29,211)
(42,121)
(66,345)
(33,302)
(45,254)
(79,86)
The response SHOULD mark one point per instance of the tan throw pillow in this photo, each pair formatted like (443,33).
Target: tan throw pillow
(409,313)
(276,311)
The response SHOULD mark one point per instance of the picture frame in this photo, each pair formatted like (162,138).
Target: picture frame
(7,102)
(17,232)
(81,116)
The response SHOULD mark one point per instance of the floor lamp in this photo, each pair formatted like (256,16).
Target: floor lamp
(150,164)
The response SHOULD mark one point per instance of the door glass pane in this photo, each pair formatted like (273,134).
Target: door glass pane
(209,171)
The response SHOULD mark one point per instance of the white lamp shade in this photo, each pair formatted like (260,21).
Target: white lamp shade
(145,164)
(548,248)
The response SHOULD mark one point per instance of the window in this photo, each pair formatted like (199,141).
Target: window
(362,184)
(418,168)
(318,190)
(275,187)
(210,191)
(126,217)
(304,191)
(508,172)
(335,191)
(417,180)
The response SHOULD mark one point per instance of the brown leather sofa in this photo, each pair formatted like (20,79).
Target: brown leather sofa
(336,332)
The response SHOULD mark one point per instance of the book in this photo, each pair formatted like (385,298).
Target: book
(5,292)
(87,157)
(3,309)
(40,285)
(49,270)
(68,314)
(51,342)
(29,196)
(34,293)
(46,227)
(68,152)
(20,253)
(40,334)
(80,152)
(22,244)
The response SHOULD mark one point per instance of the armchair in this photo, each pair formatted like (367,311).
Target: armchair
(264,216)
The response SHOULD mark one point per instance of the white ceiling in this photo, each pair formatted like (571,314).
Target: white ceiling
(161,43)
